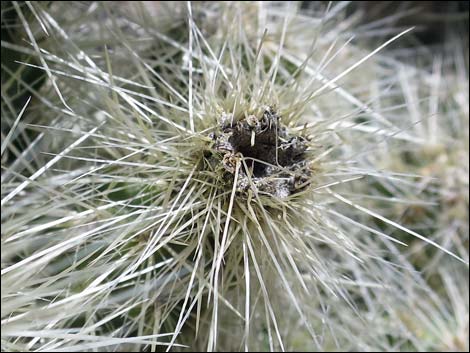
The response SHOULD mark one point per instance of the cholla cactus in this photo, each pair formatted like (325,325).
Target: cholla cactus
(195,178)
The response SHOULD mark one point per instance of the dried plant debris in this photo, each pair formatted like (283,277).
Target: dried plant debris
(272,161)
